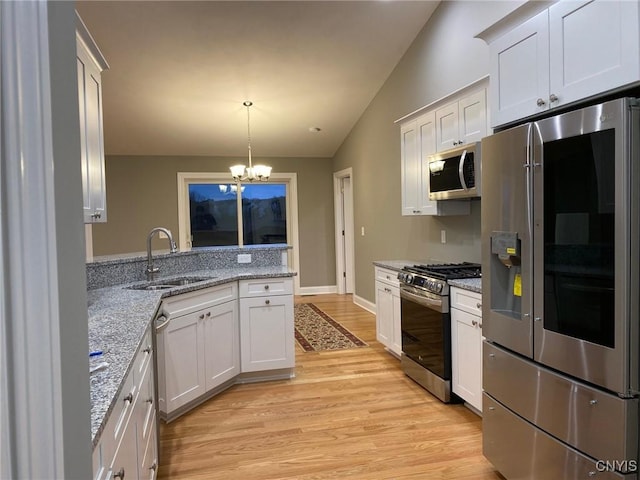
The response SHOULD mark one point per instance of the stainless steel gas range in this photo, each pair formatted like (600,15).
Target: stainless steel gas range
(426,324)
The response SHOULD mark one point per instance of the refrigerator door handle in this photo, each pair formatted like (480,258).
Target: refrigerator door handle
(461,170)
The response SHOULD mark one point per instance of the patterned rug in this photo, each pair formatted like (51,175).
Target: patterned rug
(316,331)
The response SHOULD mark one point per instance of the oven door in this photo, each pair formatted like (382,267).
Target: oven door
(426,330)
(586,245)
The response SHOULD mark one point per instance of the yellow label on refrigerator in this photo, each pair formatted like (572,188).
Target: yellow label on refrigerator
(517,285)
(511,251)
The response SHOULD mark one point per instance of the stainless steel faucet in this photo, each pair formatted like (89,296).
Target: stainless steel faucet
(151,270)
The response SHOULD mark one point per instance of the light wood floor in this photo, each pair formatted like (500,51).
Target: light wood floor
(347,414)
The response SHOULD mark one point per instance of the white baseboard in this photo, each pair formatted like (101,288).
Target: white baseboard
(366,304)
(318,290)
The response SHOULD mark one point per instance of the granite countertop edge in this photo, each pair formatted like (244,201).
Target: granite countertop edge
(119,318)
(396,264)
(471,284)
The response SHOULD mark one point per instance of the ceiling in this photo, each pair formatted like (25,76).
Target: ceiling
(180,71)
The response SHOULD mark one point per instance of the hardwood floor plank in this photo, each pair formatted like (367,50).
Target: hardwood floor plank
(347,414)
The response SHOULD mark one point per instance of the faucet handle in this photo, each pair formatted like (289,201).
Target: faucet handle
(174,247)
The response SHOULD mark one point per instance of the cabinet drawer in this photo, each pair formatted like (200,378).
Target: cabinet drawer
(205,298)
(266,286)
(467,301)
(123,407)
(387,276)
(142,358)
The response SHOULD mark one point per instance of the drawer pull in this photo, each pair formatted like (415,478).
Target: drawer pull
(208,314)
(478,305)
(120,474)
(154,466)
(474,322)
(201,316)
(593,402)
(147,350)
(266,287)
(149,400)
(129,398)
(164,321)
(267,302)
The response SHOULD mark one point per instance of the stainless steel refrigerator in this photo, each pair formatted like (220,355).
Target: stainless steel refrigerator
(560,255)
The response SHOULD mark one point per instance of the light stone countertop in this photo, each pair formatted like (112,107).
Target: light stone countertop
(118,320)
(396,264)
(472,284)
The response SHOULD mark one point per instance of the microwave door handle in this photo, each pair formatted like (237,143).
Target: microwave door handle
(461,170)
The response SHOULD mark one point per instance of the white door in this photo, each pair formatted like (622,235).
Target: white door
(221,344)
(466,361)
(345,230)
(594,47)
(384,314)
(519,66)
(447,134)
(409,169)
(472,117)
(183,360)
(267,340)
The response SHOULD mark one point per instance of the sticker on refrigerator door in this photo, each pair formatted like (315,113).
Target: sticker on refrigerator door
(511,251)
(517,285)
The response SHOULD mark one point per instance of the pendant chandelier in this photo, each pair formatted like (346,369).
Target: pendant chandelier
(240,173)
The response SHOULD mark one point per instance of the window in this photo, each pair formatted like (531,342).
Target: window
(211,212)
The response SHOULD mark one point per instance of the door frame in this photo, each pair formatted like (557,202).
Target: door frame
(345,259)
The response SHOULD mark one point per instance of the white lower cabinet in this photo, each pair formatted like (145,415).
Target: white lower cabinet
(388,329)
(198,348)
(127,448)
(466,346)
(266,324)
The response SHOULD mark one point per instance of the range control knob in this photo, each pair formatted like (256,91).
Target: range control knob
(408,278)
(440,288)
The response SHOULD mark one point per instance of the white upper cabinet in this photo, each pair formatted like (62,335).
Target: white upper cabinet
(461,122)
(418,141)
(90,64)
(520,71)
(571,51)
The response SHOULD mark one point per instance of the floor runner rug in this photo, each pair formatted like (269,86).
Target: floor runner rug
(316,331)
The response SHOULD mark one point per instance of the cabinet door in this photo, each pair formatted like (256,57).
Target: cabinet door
(183,351)
(447,131)
(466,357)
(221,344)
(426,127)
(472,117)
(266,326)
(519,66)
(409,169)
(149,462)
(91,136)
(384,315)
(125,461)
(594,47)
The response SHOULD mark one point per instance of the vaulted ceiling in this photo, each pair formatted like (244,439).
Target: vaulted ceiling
(180,71)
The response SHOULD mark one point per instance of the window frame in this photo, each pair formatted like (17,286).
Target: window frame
(289,179)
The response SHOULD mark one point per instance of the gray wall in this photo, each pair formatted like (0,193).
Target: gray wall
(142,193)
(443,58)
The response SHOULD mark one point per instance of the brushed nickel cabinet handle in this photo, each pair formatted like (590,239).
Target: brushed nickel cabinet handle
(120,474)
(129,398)
(540,102)
(267,302)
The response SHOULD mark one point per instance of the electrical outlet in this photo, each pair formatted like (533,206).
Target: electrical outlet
(161,234)
(244,258)
(443,236)
(362,231)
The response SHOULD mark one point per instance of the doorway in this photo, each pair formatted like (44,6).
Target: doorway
(343,204)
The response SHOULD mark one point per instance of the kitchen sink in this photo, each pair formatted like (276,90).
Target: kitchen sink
(165,283)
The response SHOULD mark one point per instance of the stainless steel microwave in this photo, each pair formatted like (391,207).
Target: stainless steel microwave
(455,173)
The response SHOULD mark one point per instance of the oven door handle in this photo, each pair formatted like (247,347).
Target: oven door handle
(422,300)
